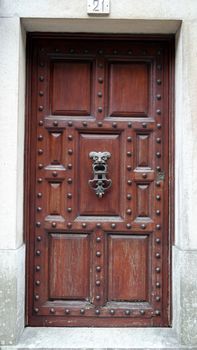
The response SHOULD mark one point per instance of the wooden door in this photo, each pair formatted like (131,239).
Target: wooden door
(98,256)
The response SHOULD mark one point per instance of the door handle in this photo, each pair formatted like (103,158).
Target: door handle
(100,183)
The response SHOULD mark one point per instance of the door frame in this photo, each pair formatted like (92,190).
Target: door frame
(169,39)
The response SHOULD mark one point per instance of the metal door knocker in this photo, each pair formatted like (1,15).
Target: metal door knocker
(100,183)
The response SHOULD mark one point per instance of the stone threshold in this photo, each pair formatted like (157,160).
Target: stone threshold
(98,338)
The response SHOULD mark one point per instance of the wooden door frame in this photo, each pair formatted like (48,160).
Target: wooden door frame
(170,41)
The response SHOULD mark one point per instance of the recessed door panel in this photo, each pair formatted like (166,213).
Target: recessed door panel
(97,193)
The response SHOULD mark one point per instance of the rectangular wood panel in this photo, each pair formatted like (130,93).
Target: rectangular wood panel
(71,83)
(143,150)
(128,89)
(69,269)
(128,268)
(143,200)
(54,202)
(89,203)
(55,148)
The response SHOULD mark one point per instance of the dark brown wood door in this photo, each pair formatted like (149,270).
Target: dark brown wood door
(98,251)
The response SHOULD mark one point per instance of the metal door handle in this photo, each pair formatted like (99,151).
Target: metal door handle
(100,183)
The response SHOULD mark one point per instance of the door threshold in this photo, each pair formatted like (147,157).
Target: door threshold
(97,338)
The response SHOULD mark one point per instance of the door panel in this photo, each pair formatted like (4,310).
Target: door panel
(98,251)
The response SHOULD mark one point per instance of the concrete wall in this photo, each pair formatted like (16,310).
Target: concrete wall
(129,16)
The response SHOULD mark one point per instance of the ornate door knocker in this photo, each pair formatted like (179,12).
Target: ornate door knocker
(100,183)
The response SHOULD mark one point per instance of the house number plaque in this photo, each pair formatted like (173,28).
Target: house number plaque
(98,7)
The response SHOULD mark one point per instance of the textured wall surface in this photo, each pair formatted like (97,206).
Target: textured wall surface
(127,16)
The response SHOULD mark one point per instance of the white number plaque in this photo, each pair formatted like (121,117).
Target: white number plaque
(98,7)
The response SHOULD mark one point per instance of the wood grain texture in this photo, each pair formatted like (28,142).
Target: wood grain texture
(91,261)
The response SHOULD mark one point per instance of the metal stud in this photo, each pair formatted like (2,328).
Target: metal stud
(40,137)
(130,52)
(39,238)
(158,126)
(86,51)
(100,51)
(98,269)
(158,97)
(36,309)
(37,283)
(69,225)
(69,180)
(70,151)
(129,182)
(85,124)
(39,209)
(158,140)
(38,252)
(100,124)
(157,298)
(54,173)
(129,125)
(70,137)
(127,312)
(82,311)
(84,224)
(38,223)
(158,81)
(40,166)
(113,225)
(40,151)
(97,312)
(41,64)
(129,196)
(158,227)
(40,108)
(37,297)
(112,312)
(38,268)
(52,310)
(98,239)
(158,197)
(41,78)
(69,210)
(142,312)
(157,212)
(55,123)
(129,138)
(129,167)
(157,312)
(67,311)
(157,255)
(157,240)
(114,125)
(144,125)
(39,194)
(129,154)
(100,94)
(98,283)
(98,254)
(98,297)
(100,109)
(129,211)
(144,175)
(53,224)
(70,123)
(115,52)
(100,80)
(143,226)
(158,269)
(128,226)
(69,195)
(158,111)
(39,180)
(72,50)
(158,154)
(158,183)
(158,285)
(41,123)
(41,93)
(159,66)
(98,225)
(69,166)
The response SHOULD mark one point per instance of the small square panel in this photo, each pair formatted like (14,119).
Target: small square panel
(71,88)
(128,89)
